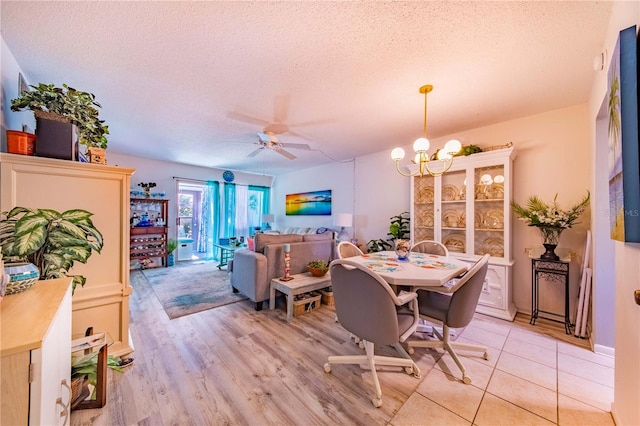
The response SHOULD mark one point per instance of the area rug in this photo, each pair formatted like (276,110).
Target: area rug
(190,287)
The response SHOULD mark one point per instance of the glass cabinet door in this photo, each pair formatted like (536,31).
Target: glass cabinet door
(453,211)
(424,198)
(489,211)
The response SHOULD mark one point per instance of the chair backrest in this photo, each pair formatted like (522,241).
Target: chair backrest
(431,247)
(363,302)
(348,249)
(464,300)
(223,241)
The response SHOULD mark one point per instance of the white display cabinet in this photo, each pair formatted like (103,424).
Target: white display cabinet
(468,209)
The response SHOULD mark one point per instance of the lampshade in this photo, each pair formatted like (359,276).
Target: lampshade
(268,218)
(344,220)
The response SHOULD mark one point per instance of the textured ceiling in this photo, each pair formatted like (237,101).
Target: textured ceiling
(194,81)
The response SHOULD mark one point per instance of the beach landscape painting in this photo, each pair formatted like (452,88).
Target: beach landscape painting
(624,158)
(309,203)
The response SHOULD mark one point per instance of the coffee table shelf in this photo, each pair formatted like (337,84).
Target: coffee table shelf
(301,283)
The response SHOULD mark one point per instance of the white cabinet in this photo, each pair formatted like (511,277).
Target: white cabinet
(36,355)
(468,210)
(103,303)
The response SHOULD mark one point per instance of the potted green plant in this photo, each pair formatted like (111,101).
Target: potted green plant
(399,229)
(86,368)
(50,240)
(65,104)
(318,267)
(172,245)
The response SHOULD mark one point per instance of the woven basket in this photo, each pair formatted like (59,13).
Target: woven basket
(76,387)
(21,275)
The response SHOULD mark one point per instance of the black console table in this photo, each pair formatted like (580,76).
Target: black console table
(553,271)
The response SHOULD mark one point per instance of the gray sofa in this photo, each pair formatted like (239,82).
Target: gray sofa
(251,272)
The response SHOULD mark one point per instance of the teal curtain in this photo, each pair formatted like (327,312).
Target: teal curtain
(215,232)
(228,228)
(209,230)
(262,195)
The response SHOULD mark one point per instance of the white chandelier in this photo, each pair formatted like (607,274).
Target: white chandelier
(421,146)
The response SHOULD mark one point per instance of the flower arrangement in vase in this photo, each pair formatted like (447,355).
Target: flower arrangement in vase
(550,219)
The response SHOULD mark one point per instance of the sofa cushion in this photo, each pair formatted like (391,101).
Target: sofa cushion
(265,239)
(317,237)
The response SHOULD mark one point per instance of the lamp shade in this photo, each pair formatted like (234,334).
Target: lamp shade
(344,219)
(268,218)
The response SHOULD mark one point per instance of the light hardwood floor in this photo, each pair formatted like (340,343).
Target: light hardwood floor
(233,365)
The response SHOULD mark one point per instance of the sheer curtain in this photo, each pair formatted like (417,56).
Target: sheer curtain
(260,197)
(209,230)
(242,209)
(228,228)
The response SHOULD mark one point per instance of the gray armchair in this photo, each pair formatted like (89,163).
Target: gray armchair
(453,310)
(431,247)
(366,306)
(348,249)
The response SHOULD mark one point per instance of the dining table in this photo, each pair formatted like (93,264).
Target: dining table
(421,270)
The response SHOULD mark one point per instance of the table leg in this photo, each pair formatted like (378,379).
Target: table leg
(221,258)
(290,297)
(567,319)
(534,293)
(272,297)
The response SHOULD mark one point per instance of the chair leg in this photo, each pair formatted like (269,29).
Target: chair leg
(371,359)
(369,349)
(445,343)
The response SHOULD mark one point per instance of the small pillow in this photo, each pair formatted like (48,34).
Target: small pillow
(318,237)
(251,244)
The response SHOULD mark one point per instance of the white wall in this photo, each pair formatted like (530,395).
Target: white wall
(163,173)
(338,177)
(9,74)
(625,408)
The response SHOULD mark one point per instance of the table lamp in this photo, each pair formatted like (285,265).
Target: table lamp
(343,220)
(268,218)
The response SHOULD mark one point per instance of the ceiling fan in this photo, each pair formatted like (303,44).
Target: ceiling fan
(268,140)
(279,124)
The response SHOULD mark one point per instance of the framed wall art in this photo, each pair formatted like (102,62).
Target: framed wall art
(309,203)
(624,154)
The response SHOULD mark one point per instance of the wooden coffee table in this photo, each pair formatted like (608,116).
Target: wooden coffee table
(301,283)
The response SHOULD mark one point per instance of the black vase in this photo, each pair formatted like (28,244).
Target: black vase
(550,253)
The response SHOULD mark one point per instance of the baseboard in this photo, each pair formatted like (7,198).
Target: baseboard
(604,350)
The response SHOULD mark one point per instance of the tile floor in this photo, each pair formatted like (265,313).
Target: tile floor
(529,379)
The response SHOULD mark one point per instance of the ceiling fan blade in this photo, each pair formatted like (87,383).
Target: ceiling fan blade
(287,154)
(280,108)
(314,122)
(255,152)
(247,118)
(302,146)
